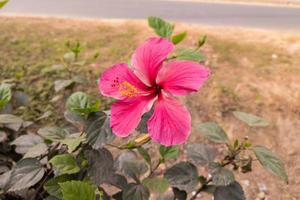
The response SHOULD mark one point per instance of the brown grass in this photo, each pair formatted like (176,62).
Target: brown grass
(252,70)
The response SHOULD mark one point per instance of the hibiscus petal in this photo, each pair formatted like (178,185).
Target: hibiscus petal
(148,58)
(126,114)
(120,82)
(182,77)
(170,123)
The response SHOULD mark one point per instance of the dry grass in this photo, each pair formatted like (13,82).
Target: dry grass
(252,70)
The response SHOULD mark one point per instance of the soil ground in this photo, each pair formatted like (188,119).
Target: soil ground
(254,71)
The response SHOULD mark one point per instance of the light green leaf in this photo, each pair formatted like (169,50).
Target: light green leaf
(179,37)
(161,27)
(70,57)
(75,190)
(156,184)
(144,153)
(3,2)
(53,133)
(167,153)
(52,185)
(270,162)
(201,41)
(73,141)
(65,164)
(251,120)
(213,132)
(190,54)
(5,92)
(79,102)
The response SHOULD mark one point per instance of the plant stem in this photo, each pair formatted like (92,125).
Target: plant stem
(203,186)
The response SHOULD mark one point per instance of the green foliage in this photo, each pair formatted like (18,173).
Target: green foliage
(190,54)
(270,162)
(5,93)
(201,41)
(234,191)
(156,184)
(213,132)
(53,133)
(81,103)
(176,39)
(251,120)
(161,27)
(200,154)
(74,190)
(144,153)
(167,153)
(65,164)
(222,176)
(52,185)
(3,2)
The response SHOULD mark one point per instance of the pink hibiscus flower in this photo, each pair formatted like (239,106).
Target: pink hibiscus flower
(150,82)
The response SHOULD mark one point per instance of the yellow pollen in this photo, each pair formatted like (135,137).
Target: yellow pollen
(128,90)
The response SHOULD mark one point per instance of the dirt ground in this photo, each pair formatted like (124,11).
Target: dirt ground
(254,71)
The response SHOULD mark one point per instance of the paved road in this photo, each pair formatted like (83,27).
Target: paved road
(272,17)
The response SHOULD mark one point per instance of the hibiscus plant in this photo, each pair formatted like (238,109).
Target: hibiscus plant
(138,149)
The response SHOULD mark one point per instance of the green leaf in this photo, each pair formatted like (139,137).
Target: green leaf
(100,165)
(65,164)
(270,162)
(135,192)
(98,130)
(234,191)
(190,54)
(201,41)
(25,174)
(53,134)
(213,132)
(26,142)
(251,120)
(222,176)
(156,184)
(80,103)
(179,37)
(5,91)
(3,2)
(200,154)
(161,27)
(73,141)
(70,57)
(183,175)
(62,84)
(75,190)
(36,150)
(144,153)
(170,152)
(52,185)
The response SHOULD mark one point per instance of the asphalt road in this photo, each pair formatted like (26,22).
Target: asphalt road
(270,17)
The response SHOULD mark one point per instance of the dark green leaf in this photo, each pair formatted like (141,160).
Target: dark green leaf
(2,3)
(143,152)
(75,119)
(179,194)
(183,175)
(100,165)
(65,164)
(270,162)
(222,176)
(25,174)
(190,54)
(201,41)
(25,142)
(98,130)
(135,192)
(156,184)
(251,120)
(179,37)
(200,154)
(234,191)
(62,84)
(5,91)
(161,27)
(75,190)
(142,127)
(213,132)
(53,133)
(52,185)
(118,181)
(170,152)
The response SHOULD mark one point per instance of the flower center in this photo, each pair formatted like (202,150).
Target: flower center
(125,88)
(157,89)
